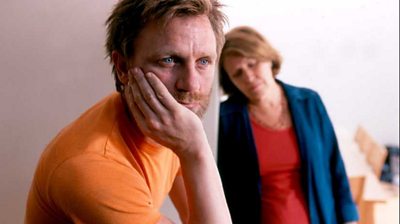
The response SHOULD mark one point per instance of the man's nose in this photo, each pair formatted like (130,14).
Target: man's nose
(188,78)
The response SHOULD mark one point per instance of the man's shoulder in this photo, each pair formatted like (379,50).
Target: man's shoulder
(87,134)
(94,125)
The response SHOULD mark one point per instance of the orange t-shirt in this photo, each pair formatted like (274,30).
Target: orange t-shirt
(100,169)
(282,197)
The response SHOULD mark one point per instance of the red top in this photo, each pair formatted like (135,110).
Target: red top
(282,197)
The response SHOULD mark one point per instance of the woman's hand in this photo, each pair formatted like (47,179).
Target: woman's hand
(160,117)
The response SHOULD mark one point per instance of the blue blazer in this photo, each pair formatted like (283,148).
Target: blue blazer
(324,178)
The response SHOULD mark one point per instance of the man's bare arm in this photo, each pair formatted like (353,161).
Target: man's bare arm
(179,198)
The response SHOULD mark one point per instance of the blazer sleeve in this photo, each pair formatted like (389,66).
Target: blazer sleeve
(346,209)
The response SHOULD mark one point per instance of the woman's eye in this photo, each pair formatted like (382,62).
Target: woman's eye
(237,74)
(252,65)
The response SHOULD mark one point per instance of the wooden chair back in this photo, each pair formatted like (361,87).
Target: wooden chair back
(375,153)
(357,188)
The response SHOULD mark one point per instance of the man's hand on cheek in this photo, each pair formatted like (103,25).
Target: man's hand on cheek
(159,116)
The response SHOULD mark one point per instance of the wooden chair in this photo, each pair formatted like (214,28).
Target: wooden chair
(369,196)
(357,188)
(376,158)
(375,153)
(363,139)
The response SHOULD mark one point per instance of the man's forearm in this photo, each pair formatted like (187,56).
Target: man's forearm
(205,194)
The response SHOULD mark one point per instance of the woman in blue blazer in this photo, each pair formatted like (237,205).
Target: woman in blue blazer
(278,155)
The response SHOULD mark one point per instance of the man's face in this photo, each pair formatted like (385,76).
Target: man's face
(183,55)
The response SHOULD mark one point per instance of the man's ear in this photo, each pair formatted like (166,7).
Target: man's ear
(121,66)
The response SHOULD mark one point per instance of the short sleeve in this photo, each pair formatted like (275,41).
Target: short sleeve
(94,189)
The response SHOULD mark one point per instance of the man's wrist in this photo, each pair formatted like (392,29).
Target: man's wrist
(196,153)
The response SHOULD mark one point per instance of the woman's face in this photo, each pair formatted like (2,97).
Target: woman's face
(250,76)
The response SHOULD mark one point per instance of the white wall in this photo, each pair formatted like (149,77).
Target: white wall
(52,68)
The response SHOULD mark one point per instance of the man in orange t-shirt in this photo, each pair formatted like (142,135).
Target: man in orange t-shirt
(118,161)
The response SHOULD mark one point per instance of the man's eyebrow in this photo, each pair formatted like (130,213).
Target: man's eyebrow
(161,53)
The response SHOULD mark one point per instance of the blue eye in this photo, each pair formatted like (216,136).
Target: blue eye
(204,61)
(168,60)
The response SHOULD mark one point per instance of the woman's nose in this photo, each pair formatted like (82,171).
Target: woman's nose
(248,75)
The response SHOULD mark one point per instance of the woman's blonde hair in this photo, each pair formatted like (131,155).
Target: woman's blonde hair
(247,42)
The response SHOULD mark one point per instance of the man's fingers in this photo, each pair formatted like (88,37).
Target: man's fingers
(148,95)
(135,110)
(145,120)
(140,101)
(161,91)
